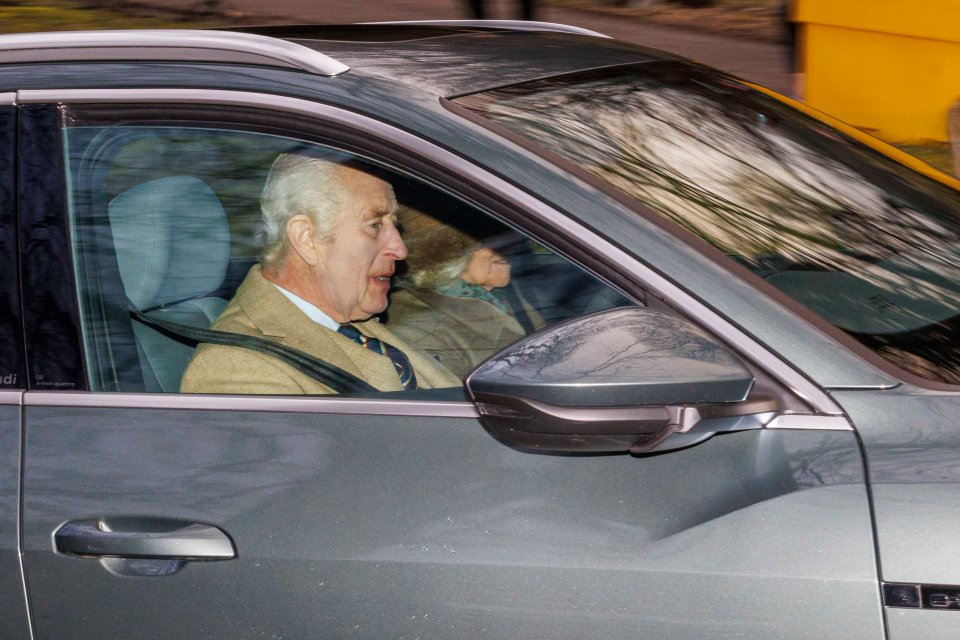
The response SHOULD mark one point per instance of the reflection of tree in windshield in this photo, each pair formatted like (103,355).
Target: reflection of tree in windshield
(738,180)
(869,245)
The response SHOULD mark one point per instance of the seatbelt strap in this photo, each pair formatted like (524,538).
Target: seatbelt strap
(323,372)
(518,308)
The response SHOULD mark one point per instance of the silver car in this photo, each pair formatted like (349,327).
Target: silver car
(736,415)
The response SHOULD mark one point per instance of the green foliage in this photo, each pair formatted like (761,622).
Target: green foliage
(19,16)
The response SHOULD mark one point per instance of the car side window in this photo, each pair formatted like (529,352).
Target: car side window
(180,230)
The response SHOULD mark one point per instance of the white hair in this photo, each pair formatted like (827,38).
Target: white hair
(299,185)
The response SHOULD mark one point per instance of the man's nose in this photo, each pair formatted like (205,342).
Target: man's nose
(395,247)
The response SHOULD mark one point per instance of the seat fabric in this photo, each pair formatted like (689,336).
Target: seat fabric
(173,247)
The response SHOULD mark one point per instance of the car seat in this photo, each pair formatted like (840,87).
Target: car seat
(173,248)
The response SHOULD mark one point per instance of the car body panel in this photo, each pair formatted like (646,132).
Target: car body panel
(365,526)
(912,445)
(473,65)
(911,624)
(14,623)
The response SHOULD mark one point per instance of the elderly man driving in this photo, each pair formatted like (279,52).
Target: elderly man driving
(330,243)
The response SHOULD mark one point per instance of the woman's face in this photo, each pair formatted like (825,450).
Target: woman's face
(488,269)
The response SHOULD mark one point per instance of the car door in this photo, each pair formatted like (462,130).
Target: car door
(13,612)
(159,515)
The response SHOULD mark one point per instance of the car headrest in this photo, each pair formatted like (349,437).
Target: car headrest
(172,240)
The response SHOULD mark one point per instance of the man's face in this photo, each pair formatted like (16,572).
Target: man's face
(353,274)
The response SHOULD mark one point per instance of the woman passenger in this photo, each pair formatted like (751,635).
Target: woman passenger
(453,301)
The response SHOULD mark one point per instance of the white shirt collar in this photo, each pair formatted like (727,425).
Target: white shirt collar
(310,309)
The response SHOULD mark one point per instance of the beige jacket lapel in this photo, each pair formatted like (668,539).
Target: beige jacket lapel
(275,316)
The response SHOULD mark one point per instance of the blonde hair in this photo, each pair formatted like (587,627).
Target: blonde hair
(442,274)
(438,251)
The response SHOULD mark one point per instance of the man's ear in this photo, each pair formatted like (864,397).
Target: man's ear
(303,241)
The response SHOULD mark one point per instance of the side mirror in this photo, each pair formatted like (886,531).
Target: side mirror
(630,379)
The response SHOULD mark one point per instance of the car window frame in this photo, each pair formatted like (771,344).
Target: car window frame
(445,170)
(151,120)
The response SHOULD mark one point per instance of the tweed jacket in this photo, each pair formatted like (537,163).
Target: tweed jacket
(259,309)
(459,333)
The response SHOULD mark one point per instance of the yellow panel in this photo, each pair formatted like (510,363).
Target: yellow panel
(929,19)
(899,88)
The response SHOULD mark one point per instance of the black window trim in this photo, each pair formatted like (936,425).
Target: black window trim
(452,172)
(50,316)
(14,375)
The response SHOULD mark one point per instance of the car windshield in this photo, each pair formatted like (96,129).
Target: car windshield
(862,240)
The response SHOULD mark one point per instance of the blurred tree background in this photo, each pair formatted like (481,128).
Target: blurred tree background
(762,20)
(19,16)
(753,18)
(756,19)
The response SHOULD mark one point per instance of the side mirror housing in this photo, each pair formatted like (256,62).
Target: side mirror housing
(621,380)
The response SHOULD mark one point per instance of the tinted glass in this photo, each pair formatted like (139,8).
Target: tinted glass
(870,245)
(11,342)
(51,325)
(170,239)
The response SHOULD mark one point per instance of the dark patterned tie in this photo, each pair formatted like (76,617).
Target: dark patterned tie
(399,359)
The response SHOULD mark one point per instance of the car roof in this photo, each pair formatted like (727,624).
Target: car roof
(444,58)
(453,58)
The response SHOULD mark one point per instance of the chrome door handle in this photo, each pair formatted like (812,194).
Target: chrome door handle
(160,538)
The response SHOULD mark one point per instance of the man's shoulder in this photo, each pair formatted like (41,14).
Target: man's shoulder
(235,319)
(258,308)
(218,368)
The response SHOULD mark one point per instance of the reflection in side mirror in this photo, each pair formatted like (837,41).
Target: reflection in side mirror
(621,380)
